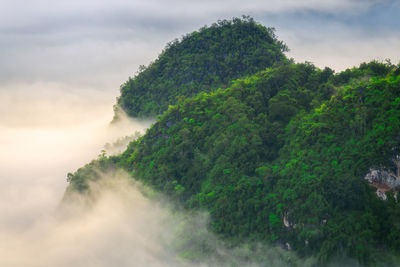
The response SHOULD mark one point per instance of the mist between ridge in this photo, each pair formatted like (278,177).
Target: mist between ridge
(120,222)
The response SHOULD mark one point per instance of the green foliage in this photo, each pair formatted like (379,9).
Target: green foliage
(278,156)
(326,154)
(219,147)
(279,147)
(201,61)
(91,172)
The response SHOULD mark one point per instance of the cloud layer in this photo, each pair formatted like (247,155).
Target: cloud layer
(101,43)
(116,225)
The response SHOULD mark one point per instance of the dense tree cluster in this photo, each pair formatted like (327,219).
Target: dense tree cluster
(201,61)
(280,157)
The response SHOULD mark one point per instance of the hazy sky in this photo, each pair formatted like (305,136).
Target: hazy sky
(59,55)
(99,43)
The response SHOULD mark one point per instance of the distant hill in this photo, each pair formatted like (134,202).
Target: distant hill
(201,61)
(281,157)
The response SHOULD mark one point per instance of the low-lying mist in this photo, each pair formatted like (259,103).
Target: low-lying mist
(122,223)
(116,226)
(46,131)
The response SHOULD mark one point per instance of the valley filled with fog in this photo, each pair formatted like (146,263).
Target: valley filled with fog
(122,223)
(43,137)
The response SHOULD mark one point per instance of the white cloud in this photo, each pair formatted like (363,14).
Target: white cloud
(117,226)
(101,43)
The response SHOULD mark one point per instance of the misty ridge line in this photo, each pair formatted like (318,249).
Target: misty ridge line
(164,233)
(160,231)
(170,235)
(122,121)
(153,230)
(32,231)
(91,173)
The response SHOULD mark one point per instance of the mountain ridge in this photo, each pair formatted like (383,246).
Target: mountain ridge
(280,157)
(201,61)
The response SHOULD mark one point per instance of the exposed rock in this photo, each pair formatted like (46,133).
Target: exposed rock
(285,221)
(381,194)
(384,181)
(383,178)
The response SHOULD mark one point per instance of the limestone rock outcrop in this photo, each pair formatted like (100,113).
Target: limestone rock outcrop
(384,181)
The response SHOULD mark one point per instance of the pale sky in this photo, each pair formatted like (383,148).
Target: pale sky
(99,43)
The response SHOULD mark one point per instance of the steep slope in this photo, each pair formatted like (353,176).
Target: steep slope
(201,61)
(220,136)
(280,156)
(322,193)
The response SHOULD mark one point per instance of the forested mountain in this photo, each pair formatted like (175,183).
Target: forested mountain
(280,157)
(201,61)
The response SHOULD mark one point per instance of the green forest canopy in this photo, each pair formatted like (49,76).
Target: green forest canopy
(201,61)
(279,156)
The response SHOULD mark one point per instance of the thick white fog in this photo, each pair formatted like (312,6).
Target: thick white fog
(42,139)
(46,132)
(119,228)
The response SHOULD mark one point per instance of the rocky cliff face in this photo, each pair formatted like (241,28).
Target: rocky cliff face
(384,181)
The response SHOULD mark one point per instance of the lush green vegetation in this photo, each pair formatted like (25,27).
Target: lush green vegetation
(280,157)
(201,61)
